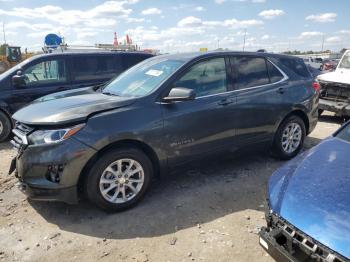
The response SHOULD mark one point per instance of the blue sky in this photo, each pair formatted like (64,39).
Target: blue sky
(180,25)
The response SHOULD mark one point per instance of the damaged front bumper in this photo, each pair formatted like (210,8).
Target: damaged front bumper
(49,172)
(284,242)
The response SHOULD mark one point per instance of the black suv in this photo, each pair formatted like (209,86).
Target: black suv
(49,73)
(159,114)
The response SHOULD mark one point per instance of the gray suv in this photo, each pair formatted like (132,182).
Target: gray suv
(166,111)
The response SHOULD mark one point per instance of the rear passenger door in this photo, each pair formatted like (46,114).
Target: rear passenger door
(260,88)
(90,70)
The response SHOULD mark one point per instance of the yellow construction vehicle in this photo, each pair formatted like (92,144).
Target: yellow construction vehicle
(11,56)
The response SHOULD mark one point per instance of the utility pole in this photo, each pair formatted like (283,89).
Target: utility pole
(3,30)
(245,35)
(218,43)
(322,43)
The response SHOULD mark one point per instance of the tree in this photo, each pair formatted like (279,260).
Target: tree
(3,49)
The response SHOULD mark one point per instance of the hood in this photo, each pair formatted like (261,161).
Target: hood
(337,76)
(63,94)
(312,192)
(69,109)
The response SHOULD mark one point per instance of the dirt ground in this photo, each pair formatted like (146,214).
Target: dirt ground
(208,212)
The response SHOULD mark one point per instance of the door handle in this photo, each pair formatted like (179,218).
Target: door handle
(281,90)
(225,101)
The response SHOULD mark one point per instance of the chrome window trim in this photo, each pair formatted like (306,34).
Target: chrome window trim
(285,78)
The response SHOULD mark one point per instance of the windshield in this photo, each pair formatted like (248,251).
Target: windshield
(143,78)
(345,133)
(345,62)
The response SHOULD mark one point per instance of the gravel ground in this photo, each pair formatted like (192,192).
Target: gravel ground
(207,212)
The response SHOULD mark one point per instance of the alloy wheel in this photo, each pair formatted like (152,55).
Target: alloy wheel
(291,137)
(121,181)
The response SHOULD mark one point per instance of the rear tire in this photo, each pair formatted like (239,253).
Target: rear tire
(110,184)
(289,138)
(5,126)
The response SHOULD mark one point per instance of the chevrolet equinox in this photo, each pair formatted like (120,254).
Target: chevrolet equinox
(109,144)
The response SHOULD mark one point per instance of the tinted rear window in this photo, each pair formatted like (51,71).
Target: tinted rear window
(87,68)
(250,71)
(296,65)
(274,73)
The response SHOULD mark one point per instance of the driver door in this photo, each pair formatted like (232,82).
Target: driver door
(203,125)
(42,77)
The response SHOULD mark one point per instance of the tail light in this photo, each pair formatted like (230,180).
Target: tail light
(316,86)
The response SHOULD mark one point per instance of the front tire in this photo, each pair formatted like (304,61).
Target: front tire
(119,179)
(5,127)
(289,138)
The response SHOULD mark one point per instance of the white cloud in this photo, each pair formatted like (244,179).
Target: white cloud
(272,13)
(190,21)
(265,37)
(322,18)
(199,8)
(233,23)
(310,34)
(219,1)
(151,11)
(333,39)
(103,14)
(344,32)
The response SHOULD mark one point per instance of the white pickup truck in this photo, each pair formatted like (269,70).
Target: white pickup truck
(335,88)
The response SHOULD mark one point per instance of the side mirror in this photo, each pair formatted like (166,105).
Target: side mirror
(180,94)
(18,80)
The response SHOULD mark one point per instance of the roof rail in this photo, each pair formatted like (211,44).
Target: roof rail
(78,48)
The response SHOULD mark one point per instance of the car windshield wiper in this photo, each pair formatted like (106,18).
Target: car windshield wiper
(109,94)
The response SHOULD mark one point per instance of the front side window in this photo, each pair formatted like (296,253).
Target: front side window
(205,78)
(345,62)
(250,72)
(46,72)
(143,78)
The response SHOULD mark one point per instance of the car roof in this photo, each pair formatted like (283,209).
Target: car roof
(193,55)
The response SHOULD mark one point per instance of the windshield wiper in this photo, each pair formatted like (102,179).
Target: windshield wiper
(109,94)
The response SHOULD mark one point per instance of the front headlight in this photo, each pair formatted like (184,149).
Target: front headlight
(53,136)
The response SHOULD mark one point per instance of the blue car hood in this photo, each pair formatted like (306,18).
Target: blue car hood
(312,192)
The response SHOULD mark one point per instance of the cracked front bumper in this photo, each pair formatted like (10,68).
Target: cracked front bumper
(36,164)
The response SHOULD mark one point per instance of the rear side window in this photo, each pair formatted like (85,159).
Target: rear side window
(88,68)
(249,72)
(296,65)
(274,73)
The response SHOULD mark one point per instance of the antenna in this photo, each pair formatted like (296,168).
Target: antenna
(245,35)
(3,30)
